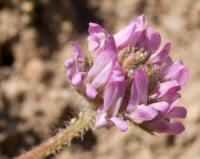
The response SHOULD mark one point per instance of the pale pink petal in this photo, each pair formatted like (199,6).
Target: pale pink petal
(121,124)
(130,35)
(77,79)
(103,65)
(160,106)
(143,113)
(101,120)
(91,91)
(103,76)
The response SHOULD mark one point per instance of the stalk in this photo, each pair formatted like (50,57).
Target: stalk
(76,128)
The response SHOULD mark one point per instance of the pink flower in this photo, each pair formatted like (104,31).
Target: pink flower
(100,72)
(96,39)
(113,98)
(130,78)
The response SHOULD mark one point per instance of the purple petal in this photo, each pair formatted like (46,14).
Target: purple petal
(70,73)
(91,92)
(160,106)
(177,71)
(69,63)
(78,56)
(143,113)
(164,126)
(175,128)
(121,124)
(141,83)
(153,40)
(160,126)
(159,58)
(177,112)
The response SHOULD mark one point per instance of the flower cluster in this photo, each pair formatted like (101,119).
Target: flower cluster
(130,78)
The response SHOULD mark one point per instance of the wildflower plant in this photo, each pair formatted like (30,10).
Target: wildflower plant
(129,79)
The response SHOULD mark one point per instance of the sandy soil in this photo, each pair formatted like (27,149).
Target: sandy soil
(35,99)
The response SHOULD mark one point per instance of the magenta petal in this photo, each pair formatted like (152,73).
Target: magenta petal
(94,28)
(139,89)
(153,40)
(117,75)
(110,44)
(121,124)
(160,106)
(159,58)
(177,112)
(140,21)
(134,98)
(143,113)
(91,92)
(113,96)
(93,42)
(141,83)
(168,88)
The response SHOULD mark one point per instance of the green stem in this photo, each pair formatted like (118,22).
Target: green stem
(75,129)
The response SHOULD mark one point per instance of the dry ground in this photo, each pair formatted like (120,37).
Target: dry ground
(34,96)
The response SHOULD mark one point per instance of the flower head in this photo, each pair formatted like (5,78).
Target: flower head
(130,77)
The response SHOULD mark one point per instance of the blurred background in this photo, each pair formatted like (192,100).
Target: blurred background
(35,99)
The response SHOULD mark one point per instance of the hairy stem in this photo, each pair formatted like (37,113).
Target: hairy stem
(75,129)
